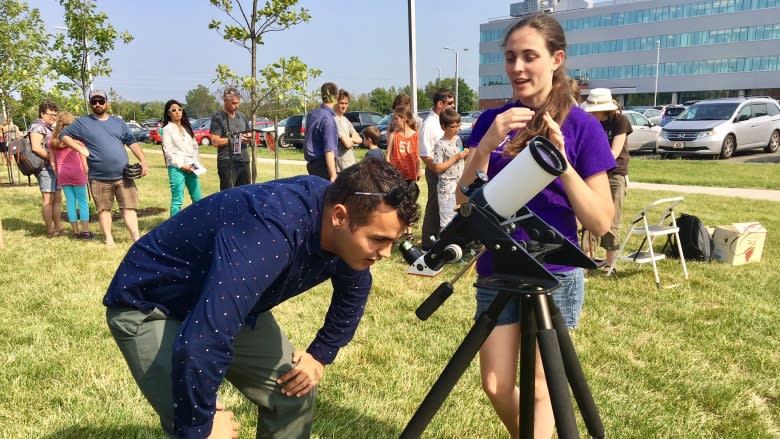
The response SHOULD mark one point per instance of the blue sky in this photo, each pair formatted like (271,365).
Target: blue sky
(359,45)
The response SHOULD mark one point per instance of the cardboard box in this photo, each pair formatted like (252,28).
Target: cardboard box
(738,243)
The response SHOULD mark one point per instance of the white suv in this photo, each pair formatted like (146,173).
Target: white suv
(722,126)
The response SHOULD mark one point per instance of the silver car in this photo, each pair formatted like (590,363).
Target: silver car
(718,127)
(644,134)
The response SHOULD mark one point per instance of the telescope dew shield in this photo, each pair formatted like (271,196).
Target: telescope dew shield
(536,166)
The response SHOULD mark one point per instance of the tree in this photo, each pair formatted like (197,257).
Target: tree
(381,100)
(247,31)
(80,53)
(153,110)
(22,53)
(467,98)
(424,101)
(200,102)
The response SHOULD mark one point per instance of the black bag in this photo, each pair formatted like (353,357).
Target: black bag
(28,162)
(694,239)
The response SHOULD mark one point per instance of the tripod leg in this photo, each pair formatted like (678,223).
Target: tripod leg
(457,365)
(527,366)
(579,386)
(552,361)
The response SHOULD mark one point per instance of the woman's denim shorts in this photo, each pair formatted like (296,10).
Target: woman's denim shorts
(569,298)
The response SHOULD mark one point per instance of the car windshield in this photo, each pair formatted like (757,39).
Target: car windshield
(201,124)
(722,111)
(674,111)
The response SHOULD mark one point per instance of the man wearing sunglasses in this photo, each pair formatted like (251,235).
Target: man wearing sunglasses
(189,310)
(105,137)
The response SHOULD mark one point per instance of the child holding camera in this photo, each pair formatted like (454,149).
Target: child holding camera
(448,162)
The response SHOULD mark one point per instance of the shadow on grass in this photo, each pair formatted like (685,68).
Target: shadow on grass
(96,432)
(331,421)
(37,228)
(116,215)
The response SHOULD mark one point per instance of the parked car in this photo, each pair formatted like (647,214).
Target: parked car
(294,131)
(141,134)
(466,122)
(670,113)
(154,136)
(201,128)
(644,134)
(363,119)
(475,114)
(653,114)
(719,127)
(151,123)
(381,125)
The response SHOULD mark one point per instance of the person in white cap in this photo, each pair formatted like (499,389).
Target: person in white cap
(617,127)
(105,137)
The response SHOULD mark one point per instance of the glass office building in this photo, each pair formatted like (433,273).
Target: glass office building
(652,51)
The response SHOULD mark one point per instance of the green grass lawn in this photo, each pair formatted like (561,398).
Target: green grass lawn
(701,360)
(705,173)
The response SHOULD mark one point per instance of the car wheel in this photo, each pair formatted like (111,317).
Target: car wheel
(774,142)
(205,141)
(728,147)
(283,142)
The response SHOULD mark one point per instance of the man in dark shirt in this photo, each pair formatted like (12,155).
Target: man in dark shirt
(191,302)
(232,149)
(320,145)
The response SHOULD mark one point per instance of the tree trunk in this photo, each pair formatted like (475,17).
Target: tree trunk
(253,91)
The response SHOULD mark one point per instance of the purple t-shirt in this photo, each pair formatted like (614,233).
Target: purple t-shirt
(587,150)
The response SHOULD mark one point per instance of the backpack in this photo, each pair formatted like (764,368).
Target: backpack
(28,162)
(694,239)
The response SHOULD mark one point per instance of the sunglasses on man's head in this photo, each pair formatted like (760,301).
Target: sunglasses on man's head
(97,101)
(395,196)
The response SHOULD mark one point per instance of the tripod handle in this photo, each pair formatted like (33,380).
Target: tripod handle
(434,301)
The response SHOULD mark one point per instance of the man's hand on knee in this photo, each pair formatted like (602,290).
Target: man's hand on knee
(304,377)
(224,426)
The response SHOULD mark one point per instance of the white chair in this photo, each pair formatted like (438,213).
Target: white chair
(648,227)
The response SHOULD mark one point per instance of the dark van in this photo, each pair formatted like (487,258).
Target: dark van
(294,131)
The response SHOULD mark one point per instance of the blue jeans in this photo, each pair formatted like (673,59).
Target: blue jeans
(76,197)
(178,179)
(569,298)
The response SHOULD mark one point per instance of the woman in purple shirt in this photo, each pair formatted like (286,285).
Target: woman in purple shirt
(534,52)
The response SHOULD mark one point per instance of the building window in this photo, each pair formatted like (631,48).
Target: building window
(660,14)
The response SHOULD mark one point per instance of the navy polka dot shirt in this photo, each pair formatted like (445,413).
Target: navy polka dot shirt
(220,262)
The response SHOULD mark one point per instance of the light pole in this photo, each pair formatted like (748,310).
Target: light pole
(456,73)
(657,60)
(438,81)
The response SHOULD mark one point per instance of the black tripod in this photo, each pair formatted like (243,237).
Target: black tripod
(540,320)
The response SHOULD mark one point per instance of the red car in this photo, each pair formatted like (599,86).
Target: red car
(155,136)
(201,130)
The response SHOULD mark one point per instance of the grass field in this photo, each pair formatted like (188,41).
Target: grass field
(700,360)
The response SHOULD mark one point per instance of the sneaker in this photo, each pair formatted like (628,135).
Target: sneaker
(85,235)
